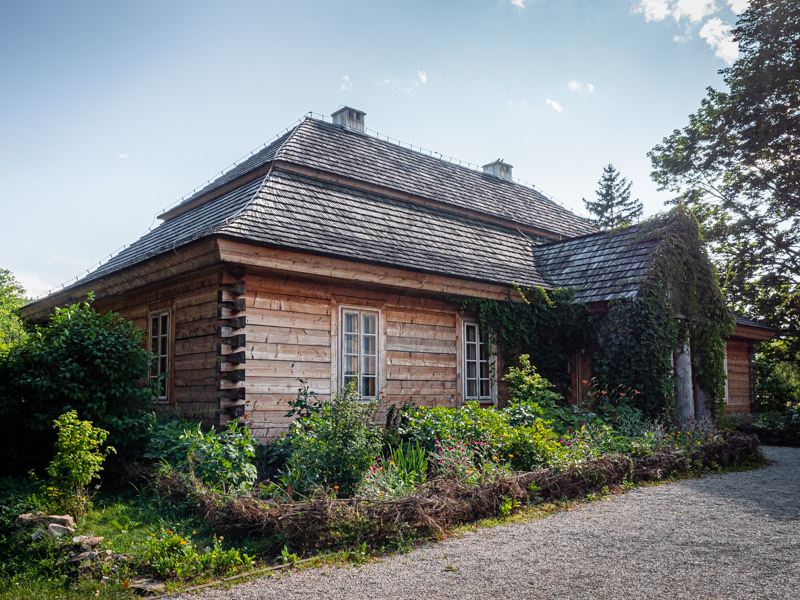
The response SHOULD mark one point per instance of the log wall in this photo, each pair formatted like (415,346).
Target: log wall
(292,332)
(740,377)
(193,319)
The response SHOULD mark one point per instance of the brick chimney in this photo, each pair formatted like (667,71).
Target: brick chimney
(349,118)
(499,169)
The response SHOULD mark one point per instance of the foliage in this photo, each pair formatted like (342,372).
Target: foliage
(546,326)
(397,476)
(306,403)
(613,208)
(78,460)
(778,383)
(221,461)
(12,297)
(333,447)
(636,337)
(525,384)
(172,555)
(736,165)
(81,360)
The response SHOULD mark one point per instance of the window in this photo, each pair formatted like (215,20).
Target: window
(725,366)
(477,375)
(359,350)
(159,346)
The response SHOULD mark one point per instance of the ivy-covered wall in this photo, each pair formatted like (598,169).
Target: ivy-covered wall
(632,342)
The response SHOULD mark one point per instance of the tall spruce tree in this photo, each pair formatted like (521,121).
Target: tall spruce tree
(613,208)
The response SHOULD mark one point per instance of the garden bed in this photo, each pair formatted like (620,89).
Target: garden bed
(323,522)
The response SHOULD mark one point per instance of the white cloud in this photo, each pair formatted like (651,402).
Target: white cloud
(423,77)
(520,3)
(577,86)
(653,10)
(123,156)
(718,35)
(738,6)
(346,84)
(554,105)
(680,39)
(694,10)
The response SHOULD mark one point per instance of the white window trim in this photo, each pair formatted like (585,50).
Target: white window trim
(343,308)
(492,360)
(725,366)
(159,314)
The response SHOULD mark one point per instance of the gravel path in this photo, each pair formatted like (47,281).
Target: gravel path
(725,536)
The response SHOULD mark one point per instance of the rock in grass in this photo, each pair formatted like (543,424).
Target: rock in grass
(87,542)
(26,519)
(148,586)
(56,530)
(62,520)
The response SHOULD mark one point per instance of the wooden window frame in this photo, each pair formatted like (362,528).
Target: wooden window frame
(156,371)
(340,344)
(491,363)
(727,396)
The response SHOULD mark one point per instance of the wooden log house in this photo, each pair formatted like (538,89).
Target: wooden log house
(330,255)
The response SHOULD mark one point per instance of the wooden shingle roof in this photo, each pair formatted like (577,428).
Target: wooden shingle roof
(300,193)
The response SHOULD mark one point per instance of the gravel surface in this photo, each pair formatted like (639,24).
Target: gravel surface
(725,536)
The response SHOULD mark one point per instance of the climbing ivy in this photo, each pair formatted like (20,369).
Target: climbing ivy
(633,341)
(544,325)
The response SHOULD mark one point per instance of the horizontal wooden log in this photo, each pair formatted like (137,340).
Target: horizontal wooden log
(232,375)
(237,393)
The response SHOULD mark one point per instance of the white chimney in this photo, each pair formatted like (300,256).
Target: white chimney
(499,169)
(349,118)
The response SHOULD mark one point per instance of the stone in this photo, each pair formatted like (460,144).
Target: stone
(150,586)
(63,520)
(83,556)
(56,530)
(30,519)
(37,534)
(87,542)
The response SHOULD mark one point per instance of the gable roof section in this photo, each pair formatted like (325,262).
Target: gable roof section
(598,267)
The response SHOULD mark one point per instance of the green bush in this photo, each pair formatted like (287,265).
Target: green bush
(172,555)
(334,446)
(81,360)
(78,460)
(399,475)
(778,384)
(221,461)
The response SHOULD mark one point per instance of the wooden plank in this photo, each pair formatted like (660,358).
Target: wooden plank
(288,352)
(283,385)
(421,317)
(394,373)
(279,318)
(414,330)
(413,344)
(287,335)
(297,304)
(421,359)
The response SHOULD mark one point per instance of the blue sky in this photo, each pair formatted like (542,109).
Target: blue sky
(111,111)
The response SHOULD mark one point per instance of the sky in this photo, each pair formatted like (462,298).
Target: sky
(112,111)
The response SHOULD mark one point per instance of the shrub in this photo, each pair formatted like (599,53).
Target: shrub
(333,447)
(81,360)
(78,460)
(172,555)
(221,461)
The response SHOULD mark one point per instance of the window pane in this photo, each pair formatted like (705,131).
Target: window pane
(164,323)
(484,388)
(162,388)
(471,333)
(154,326)
(163,365)
(472,371)
(484,370)
(471,388)
(369,344)
(351,322)
(348,379)
(368,364)
(351,343)
(483,351)
(350,365)
(471,352)
(370,324)
(368,387)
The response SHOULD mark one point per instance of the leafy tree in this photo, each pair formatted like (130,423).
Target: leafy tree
(81,360)
(737,165)
(613,208)
(12,296)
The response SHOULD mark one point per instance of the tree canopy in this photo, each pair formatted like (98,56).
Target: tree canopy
(613,207)
(12,296)
(737,165)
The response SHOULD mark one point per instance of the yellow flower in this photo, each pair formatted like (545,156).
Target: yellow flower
(183,542)
(336,487)
(510,456)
